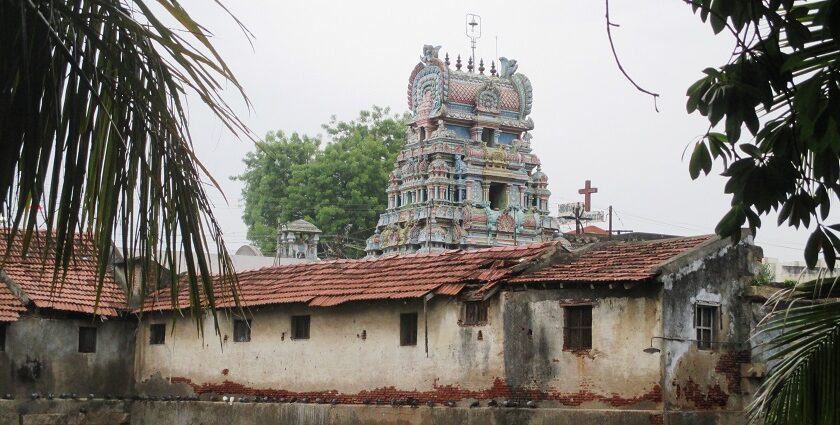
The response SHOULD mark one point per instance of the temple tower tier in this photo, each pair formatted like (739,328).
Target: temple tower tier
(467,177)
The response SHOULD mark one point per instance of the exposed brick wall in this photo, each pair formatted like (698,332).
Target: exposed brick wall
(715,397)
(730,366)
(499,391)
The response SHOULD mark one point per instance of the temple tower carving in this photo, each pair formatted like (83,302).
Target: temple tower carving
(467,177)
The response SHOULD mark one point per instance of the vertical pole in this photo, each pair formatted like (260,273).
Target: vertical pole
(426,324)
(610,229)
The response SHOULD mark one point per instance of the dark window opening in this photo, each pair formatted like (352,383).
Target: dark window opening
(2,337)
(487,137)
(578,329)
(475,313)
(422,133)
(300,327)
(241,330)
(705,317)
(408,329)
(87,339)
(498,196)
(157,334)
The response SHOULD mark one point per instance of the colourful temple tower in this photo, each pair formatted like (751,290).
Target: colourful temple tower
(467,177)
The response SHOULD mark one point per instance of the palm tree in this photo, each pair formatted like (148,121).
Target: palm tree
(782,84)
(95,133)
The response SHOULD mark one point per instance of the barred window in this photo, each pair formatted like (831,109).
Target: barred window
(475,313)
(300,327)
(157,334)
(408,329)
(87,339)
(705,318)
(241,331)
(578,329)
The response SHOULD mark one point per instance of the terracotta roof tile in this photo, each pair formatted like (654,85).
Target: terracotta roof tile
(74,291)
(616,261)
(329,283)
(10,305)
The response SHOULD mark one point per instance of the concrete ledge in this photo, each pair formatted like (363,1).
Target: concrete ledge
(113,412)
(148,413)
(64,412)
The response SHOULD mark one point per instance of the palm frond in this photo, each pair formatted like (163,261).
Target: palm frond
(95,133)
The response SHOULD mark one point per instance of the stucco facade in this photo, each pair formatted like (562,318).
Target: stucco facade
(41,355)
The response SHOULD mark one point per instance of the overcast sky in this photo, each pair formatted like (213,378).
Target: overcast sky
(313,59)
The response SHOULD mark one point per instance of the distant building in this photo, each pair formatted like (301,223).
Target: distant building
(467,177)
(297,240)
(796,270)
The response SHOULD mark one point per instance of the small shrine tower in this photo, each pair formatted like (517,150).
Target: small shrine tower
(297,239)
(467,177)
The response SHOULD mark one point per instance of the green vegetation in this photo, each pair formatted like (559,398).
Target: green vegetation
(340,189)
(94,129)
(765,275)
(783,84)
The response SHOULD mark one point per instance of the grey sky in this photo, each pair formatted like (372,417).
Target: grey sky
(313,59)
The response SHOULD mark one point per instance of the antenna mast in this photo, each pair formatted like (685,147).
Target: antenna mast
(473,30)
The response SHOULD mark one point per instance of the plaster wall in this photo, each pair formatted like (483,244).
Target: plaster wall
(42,356)
(335,358)
(707,379)
(615,373)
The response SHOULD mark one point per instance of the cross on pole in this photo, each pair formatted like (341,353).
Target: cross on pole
(587,192)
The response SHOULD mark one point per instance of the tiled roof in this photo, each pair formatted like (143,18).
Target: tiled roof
(616,261)
(74,291)
(329,283)
(10,305)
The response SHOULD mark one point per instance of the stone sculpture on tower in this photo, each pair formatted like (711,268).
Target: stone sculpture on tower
(466,178)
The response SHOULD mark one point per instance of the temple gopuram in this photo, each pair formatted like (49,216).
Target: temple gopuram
(466,178)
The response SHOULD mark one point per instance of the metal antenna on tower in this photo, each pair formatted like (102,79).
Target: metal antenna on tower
(473,30)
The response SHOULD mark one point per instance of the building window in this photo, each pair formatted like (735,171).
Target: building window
(241,330)
(408,329)
(578,330)
(87,339)
(157,334)
(2,337)
(475,313)
(300,327)
(422,133)
(705,317)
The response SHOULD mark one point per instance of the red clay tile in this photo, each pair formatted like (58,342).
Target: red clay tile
(616,261)
(329,283)
(73,290)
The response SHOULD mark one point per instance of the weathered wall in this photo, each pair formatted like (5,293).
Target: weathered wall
(64,412)
(697,379)
(335,362)
(42,356)
(615,373)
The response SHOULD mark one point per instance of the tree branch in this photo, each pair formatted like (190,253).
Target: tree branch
(618,61)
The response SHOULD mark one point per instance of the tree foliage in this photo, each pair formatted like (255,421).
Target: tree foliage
(782,85)
(95,133)
(340,189)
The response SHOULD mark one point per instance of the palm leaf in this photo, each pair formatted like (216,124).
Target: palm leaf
(95,133)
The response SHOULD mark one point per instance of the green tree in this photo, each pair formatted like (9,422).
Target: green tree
(340,189)
(267,176)
(783,85)
(94,129)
